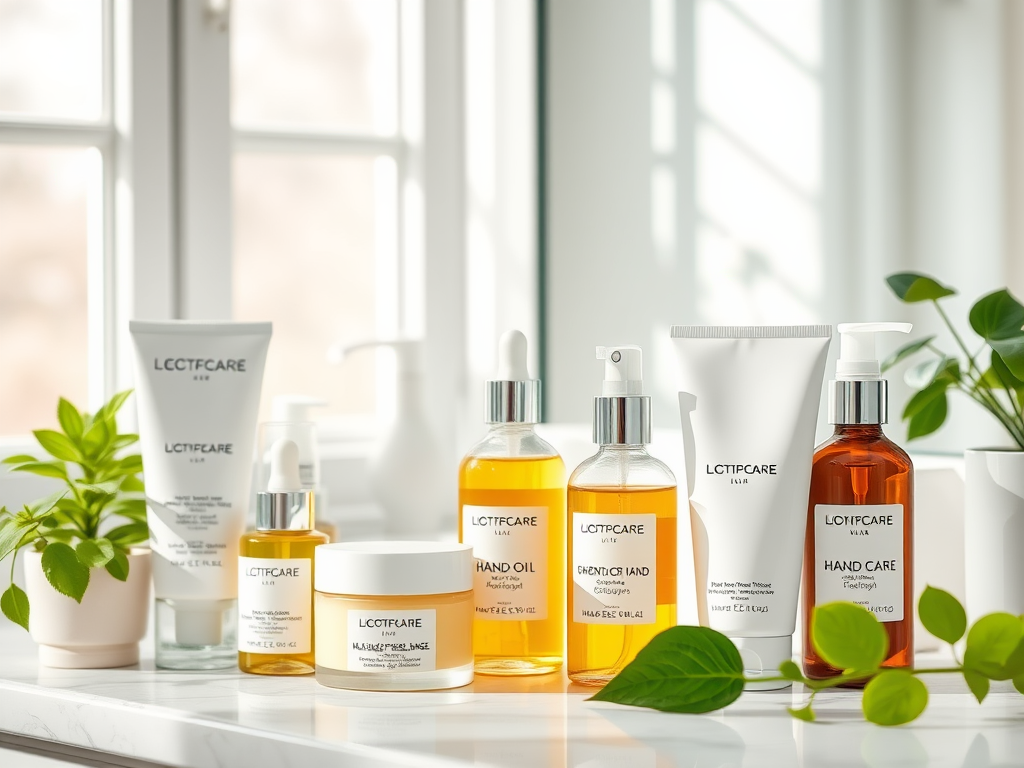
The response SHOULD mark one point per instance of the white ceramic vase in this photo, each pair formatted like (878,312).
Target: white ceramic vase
(103,630)
(994,531)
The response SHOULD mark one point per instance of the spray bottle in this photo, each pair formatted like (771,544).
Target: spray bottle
(622,531)
(512,510)
(859,544)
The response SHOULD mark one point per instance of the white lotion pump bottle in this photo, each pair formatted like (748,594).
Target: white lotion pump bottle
(405,469)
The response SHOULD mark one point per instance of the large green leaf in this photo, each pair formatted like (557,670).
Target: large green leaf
(20,458)
(942,615)
(913,287)
(65,571)
(683,669)
(906,351)
(43,468)
(118,566)
(12,531)
(1002,375)
(70,419)
(127,535)
(997,316)
(894,697)
(995,646)
(14,604)
(848,636)
(97,438)
(929,418)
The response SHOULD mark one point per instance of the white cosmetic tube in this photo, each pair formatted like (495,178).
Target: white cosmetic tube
(198,389)
(748,404)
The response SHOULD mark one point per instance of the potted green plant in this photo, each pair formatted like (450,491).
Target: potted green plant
(992,376)
(87,580)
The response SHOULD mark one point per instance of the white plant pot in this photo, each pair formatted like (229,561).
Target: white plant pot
(103,630)
(994,531)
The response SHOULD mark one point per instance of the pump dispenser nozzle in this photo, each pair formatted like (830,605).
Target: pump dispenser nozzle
(512,398)
(859,393)
(622,414)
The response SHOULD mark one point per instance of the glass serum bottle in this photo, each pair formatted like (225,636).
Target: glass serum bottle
(512,512)
(860,545)
(275,574)
(622,532)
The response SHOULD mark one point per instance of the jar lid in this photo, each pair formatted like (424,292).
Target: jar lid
(393,568)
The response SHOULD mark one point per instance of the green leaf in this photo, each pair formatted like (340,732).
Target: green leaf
(992,646)
(1018,683)
(123,441)
(927,410)
(70,419)
(132,485)
(130,465)
(804,713)
(923,374)
(20,458)
(942,615)
(906,351)
(12,531)
(127,535)
(44,505)
(65,571)
(57,445)
(43,468)
(997,316)
(63,535)
(894,697)
(109,409)
(913,287)
(683,669)
(848,636)
(93,553)
(789,670)
(1004,377)
(118,566)
(978,684)
(14,604)
(133,509)
(97,438)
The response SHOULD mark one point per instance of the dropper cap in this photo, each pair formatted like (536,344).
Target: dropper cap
(622,414)
(512,398)
(285,505)
(859,394)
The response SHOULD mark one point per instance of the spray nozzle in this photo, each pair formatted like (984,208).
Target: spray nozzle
(284,468)
(512,357)
(858,360)
(623,371)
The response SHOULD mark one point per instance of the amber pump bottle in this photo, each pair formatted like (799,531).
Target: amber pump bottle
(860,517)
(622,532)
(275,573)
(512,511)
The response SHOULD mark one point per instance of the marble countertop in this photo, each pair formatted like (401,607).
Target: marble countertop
(227,718)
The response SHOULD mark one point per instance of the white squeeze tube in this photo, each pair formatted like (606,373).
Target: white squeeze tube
(748,403)
(198,389)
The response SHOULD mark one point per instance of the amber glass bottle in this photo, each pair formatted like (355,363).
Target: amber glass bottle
(859,545)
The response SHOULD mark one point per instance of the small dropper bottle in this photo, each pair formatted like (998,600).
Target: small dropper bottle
(512,510)
(275,573)
(622,531)
(859,545)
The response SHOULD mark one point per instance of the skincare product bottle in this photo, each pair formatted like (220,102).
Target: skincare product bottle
(622,531)
(394,615)
(512,511)
(859,545)
(275,573)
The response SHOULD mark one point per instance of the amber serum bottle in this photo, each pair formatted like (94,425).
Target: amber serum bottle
(512,511)
(860,544)
(622,532)
(275,574)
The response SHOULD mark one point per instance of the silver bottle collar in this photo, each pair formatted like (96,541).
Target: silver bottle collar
(286,511)
(858,402)
(512,402)
(622,420)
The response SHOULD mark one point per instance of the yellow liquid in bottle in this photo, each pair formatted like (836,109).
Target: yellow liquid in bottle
(598,652)
(280,545)
(513,646)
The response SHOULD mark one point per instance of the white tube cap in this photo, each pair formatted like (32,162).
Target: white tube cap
(393,568)
(762,657)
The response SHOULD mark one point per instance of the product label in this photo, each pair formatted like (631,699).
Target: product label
(275,610)
(859,556)
(510,545)
(392,641)
(614,568)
